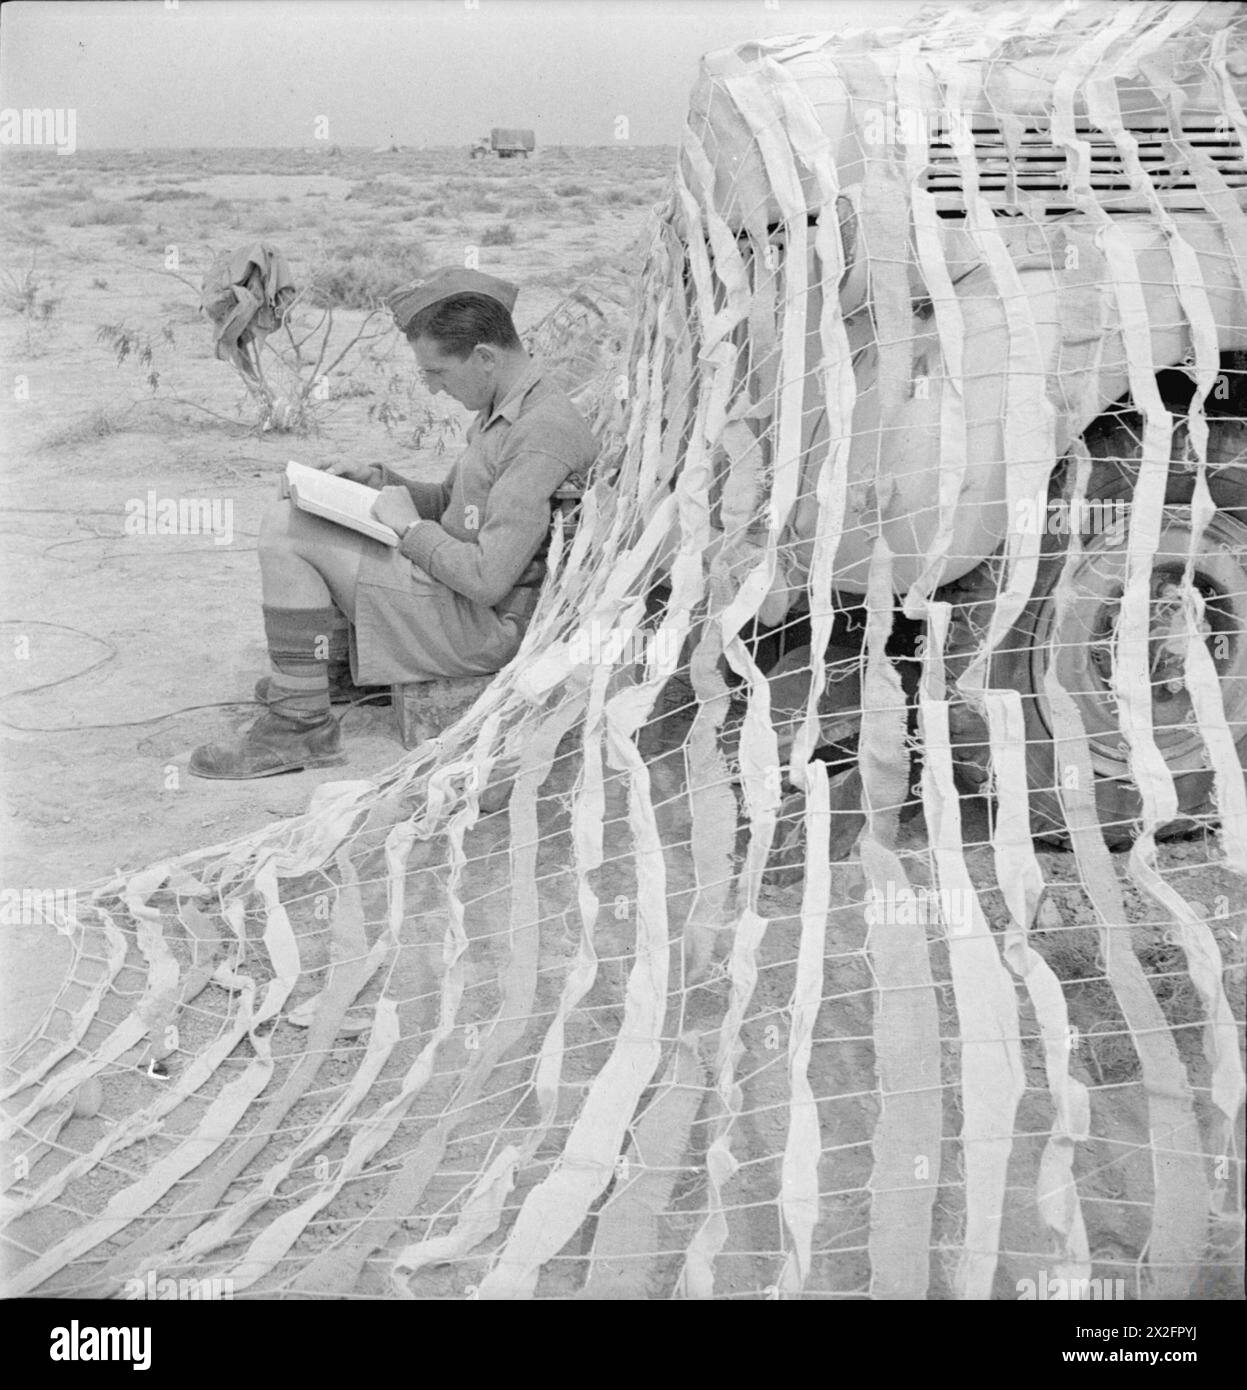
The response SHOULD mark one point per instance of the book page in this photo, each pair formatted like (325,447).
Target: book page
(337,499)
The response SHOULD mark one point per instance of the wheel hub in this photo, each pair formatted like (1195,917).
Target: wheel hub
(1082,641)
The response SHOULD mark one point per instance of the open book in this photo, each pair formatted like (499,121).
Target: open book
(337,499)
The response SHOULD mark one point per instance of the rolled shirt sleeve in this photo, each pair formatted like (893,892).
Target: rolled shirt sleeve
(431,499)
(514,526)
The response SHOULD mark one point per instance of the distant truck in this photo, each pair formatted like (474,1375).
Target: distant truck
(505,143)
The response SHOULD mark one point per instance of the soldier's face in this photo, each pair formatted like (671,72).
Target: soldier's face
(469,380)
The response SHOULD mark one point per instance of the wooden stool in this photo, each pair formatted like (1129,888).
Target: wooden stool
(425,708)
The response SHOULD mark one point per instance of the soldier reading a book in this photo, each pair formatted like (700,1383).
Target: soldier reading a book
(451,594)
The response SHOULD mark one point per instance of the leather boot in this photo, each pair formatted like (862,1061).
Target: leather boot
(273,744)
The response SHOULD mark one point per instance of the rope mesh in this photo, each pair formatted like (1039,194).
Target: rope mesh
(712,953)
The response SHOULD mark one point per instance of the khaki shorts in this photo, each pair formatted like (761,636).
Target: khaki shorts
(410,627)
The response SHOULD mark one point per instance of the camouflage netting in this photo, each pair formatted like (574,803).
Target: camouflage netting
(670,971)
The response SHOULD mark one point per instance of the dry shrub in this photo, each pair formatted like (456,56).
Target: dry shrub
(97,424)
(502,235)
(19,293)
(469,195)
(381,192)
(534,205)
(357,276)
(102,214)
(268,222)
(164,195)
(66,196)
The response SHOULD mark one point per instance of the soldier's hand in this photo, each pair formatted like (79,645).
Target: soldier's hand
(366,473)
(394,508)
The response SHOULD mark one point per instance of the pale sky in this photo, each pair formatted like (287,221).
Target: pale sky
(260,72)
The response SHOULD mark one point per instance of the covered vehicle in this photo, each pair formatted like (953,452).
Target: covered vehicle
(945,306)
(506,142)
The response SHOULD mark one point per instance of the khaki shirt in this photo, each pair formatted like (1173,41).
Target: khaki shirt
(485,528)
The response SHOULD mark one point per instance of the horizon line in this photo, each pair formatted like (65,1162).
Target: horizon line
(337,145)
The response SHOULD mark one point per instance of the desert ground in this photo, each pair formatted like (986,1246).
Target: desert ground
(122,652)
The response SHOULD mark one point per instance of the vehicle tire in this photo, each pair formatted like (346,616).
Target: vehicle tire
(1082,648)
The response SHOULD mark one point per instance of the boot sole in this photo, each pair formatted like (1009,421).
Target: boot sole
(304,765)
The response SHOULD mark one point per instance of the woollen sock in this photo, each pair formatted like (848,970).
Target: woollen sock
(340,640)
(299,644)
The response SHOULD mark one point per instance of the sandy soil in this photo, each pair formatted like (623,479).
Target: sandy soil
(136,648)
(119,653)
